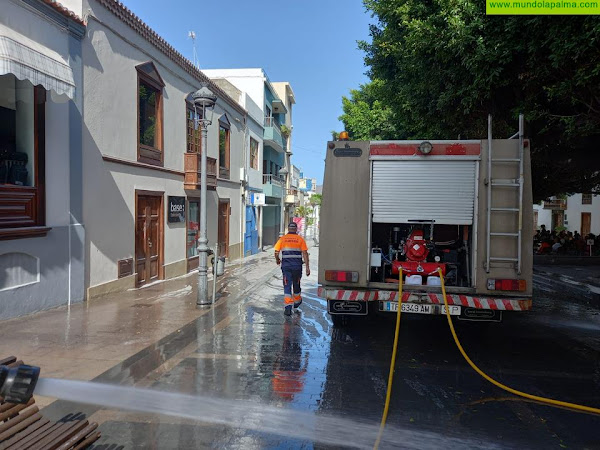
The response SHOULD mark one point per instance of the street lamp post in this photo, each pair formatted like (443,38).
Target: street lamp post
(205,100)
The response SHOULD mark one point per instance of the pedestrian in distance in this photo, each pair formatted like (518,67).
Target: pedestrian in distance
(291,252)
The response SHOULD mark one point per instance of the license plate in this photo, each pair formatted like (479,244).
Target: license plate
(418,308)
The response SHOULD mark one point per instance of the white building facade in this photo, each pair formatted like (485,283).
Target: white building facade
(578,212)
(142,152)
(41,234)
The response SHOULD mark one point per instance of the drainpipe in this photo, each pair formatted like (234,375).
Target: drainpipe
(243,187)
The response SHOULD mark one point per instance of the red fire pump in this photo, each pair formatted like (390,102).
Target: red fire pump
(416,251)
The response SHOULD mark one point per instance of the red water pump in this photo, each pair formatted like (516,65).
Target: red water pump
(416,251)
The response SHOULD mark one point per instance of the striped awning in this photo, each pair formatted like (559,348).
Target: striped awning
(27,63)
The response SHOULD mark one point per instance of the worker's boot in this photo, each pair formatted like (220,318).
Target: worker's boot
(297,301)
(288,310)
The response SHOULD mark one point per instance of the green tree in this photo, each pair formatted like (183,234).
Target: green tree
(442,65)
(365,115)
(315,200)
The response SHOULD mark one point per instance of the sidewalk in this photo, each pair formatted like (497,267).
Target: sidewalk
(120,333)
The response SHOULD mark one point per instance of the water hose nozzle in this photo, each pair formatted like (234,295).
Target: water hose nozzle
(17,383)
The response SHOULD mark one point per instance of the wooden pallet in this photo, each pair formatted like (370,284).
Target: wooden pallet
(24,427)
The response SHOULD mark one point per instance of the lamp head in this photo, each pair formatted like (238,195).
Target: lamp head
(204,97)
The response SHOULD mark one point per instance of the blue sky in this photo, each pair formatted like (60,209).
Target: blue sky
(310,43)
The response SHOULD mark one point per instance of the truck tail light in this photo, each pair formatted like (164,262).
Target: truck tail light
(341,275)
(494,284)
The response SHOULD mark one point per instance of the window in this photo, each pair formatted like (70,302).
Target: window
(586,199)
(150,126)
(253,154)
(224,132)
(223,148)
(193,134)
(22,153)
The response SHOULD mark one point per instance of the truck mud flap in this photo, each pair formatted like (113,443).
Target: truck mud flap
(347,307)
(480,315)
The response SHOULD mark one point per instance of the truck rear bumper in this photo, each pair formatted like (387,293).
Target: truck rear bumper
(470,301)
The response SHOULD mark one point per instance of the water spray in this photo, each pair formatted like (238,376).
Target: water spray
(17,384)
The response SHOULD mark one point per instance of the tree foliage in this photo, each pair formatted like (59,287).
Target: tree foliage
(315,200)
(303,211)
(441,66)
(365,115)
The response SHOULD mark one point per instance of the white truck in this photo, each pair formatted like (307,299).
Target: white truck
(416,207)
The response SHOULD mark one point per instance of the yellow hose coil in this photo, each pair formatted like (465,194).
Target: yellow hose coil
(548,401)
(544,400)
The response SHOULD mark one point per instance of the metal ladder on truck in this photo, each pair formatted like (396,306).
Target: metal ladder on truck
(498,183)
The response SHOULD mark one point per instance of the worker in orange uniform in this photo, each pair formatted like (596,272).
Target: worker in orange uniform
(290,252)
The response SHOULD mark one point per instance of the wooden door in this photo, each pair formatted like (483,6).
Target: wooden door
(148,239)
(586,224)
(558,219)
(224,228)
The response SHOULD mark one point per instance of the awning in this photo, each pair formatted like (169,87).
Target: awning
(28,64)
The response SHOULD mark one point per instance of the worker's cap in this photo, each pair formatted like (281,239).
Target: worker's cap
(292,225)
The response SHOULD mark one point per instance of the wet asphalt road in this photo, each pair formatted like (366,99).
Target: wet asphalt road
(245,349)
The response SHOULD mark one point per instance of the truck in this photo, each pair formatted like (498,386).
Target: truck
(421,208)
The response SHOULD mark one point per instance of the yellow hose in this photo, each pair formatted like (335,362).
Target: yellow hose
(388,395)
(548,401)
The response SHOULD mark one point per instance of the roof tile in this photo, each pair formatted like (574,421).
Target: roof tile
(128,17)
(64,11)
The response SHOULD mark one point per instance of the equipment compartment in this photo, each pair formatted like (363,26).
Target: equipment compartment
(420,249)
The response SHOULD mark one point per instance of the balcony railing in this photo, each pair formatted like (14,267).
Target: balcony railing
(272,134)
(271,122)
(274,179)
(291,197)
(192,165)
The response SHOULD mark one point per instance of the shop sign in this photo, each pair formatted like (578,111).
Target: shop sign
(258,199)
(176,209)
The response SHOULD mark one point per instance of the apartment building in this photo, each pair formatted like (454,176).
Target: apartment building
(275,111)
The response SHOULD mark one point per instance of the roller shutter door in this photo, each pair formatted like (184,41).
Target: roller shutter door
(440,190)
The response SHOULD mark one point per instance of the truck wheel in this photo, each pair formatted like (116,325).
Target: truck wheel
(340,320)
